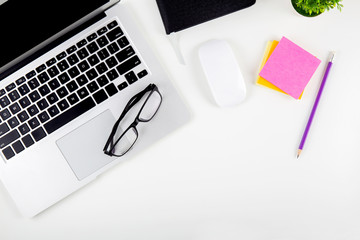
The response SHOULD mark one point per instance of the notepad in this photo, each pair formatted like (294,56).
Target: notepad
(290,68)
(270,47)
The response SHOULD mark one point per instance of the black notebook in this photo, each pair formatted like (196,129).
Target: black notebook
(181,14)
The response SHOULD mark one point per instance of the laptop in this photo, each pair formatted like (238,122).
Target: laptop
(67,70)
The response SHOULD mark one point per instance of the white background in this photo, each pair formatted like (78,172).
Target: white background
(232,173)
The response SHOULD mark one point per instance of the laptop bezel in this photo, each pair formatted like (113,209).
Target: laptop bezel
(56,36)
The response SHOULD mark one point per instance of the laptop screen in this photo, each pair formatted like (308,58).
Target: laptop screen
(25,24)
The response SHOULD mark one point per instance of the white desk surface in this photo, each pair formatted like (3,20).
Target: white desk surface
(232,173)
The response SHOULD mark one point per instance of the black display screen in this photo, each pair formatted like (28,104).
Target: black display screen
(26,23)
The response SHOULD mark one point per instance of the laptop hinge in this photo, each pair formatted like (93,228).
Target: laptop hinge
(52,45)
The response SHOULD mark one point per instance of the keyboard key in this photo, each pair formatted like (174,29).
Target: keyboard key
(71,49)
(114,34)
(112,24)
(51,62)
(92,86)
(18,147)
(82,53)
(63,65)
(101,31)
(62,92)
(112,75)
(111,62)
(64,78)
(20,81)
(100,96)
(24,129)
(27,140)
(83,66)
(128,65)
(23,89)
(81,43)
(33,123)
(52,98)
(32,110)
(13,122)
(102,81)
(91,37)
(43,117)
(42,104)
(102,41)
(43,77)
(53,71)
(5,114)
(4,129)
(91,74)
(15,108)
(131,77)
(61,56)
(53,110)
(113,48)
(92,47)
(103,54)
(24,102)
(33,83)
(81,80)
(10,87)
(14,95)
(73,72)
(40,68)
(93,60)
(122,86)
(69,115)
(111,89)
(123,42)
(4,101)
(44,90)
(73,98)
(83,92)
(9,138)
(2,92)
(142,74)
(8,153)
(101,68)
(30,74)
(72,86)
(63,104)
(38,134)
(23,116)
(73,59)
(125,54)
(54,84)
(34,96)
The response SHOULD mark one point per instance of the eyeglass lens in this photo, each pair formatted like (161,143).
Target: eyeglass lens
(151,106)
(125,142)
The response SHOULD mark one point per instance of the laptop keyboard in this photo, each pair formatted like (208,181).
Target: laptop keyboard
(64,87)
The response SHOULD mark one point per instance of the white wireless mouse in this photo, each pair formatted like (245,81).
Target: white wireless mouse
(222,72)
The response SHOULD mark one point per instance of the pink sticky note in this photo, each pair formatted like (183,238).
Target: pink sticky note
(290,68)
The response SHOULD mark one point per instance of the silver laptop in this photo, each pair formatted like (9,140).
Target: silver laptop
(67,70)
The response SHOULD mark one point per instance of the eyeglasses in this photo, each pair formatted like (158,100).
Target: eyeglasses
(119,146)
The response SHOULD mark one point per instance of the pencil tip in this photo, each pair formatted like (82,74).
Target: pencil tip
(298,153)
(332,56)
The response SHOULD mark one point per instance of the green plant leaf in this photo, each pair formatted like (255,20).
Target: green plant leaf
(318,6)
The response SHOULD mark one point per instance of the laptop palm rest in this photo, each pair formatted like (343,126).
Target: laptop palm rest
(83,147)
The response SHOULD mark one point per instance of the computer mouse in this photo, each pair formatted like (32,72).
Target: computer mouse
(222,72)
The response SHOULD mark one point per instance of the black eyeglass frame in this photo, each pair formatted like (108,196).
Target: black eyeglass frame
(110,144)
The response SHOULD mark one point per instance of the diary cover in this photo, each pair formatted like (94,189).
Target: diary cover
(181,14)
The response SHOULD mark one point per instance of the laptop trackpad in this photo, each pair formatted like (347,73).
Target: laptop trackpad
(83,147)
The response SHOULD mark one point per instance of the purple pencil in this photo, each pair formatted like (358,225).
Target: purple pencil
(308,125)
